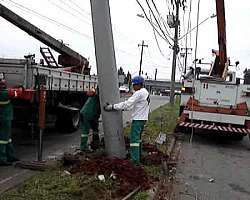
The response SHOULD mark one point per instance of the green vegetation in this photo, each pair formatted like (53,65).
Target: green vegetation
(141,196)
(163,119)
(50,185)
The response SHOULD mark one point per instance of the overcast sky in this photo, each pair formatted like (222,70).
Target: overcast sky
(129,30)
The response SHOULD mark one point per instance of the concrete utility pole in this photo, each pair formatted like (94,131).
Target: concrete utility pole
(142,47)
(176,51)
(107,77)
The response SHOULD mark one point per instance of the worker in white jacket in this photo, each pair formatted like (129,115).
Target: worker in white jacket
(139,104)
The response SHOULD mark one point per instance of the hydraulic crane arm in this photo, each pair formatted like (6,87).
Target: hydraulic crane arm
(68,56)
(219,68)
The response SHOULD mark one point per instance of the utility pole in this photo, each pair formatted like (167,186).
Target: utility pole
(185,55)
(107,77)
(176,51)
(155,73)
(142,47)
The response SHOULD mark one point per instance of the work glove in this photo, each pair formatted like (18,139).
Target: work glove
(109,107)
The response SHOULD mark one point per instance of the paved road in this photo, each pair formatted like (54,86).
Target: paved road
(54,145)
(210,169)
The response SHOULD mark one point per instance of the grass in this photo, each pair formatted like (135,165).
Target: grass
(56,185)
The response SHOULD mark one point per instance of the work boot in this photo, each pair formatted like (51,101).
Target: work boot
(5,163)
(95,142)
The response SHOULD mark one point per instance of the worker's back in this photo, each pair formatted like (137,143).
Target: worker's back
(91,109)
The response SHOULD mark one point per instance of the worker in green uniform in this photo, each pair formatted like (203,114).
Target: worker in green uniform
(7,155)
(90,114)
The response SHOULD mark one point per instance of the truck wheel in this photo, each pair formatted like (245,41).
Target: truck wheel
(68,119)
(181,110)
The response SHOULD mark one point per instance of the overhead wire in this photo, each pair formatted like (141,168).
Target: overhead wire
(195,56)
(68,12)
(68,28)
(163,21)
(145,14)
(156,40)
(158,24)
(186,40)
(26,9)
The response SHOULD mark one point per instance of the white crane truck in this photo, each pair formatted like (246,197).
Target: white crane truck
(217,102)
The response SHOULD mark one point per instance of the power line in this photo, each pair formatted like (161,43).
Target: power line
(157,43)
(157,22)
(145,14)
(68,12)
(17,5)
(161,18)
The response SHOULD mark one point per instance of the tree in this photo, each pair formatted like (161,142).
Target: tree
(120,71)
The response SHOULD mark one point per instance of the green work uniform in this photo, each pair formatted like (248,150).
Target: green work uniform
(135,140)
(6,116)
(90,114)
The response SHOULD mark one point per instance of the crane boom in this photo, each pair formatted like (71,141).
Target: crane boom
(220,66)
(68,56)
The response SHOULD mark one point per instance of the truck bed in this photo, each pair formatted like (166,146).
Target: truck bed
(24,72)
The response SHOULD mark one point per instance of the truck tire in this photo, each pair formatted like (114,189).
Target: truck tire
(68,119)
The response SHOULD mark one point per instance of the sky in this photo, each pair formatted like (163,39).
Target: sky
(70,21)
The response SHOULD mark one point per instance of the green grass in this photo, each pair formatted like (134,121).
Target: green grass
(50,185)
(141,196)
(163,119)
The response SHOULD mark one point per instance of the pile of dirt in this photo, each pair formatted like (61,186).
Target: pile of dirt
(124,172)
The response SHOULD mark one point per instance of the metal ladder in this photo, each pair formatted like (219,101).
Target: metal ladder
(48,57)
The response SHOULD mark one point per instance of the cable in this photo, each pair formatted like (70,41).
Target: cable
(163,21)
(157,22)
(77,6)
(157,43)
(67,11)
(195,56)
(17,5)
(212,16)
(189,20)
(143,10)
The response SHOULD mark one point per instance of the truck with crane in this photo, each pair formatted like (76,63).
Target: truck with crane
(216,101)
(66,82)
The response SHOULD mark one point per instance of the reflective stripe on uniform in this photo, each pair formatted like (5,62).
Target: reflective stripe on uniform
(4,142)
(4,102)
(134,144)
(83,135)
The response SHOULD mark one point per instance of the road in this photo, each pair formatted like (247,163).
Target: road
(55,144)
(212,169)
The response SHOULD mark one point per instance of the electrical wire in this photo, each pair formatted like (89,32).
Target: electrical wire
(157,22)
(145,14)
(212,16)
(157,43)
(25,9)
(68,12)
(163,21)
(195,56)
(188,27)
